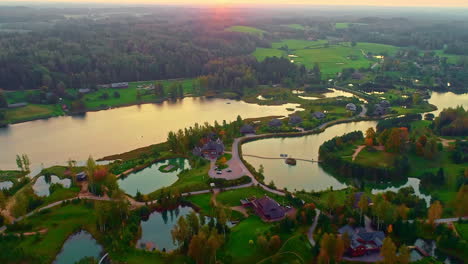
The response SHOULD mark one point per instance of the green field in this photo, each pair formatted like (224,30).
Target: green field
(451,58)
(32,112)
(346,25)
(203,202)
(246,29)
(128,96)
(331,58)
(296,26)
(462,229)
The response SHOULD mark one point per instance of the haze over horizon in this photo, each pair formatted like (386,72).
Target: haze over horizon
(394,3)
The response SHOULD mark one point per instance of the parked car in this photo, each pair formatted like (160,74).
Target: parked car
(229,170)
(219,172)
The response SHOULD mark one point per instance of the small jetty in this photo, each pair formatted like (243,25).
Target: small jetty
(290,161)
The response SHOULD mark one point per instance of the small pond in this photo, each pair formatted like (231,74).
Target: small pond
(151,178)
(42,185)
(78,246)
(156,231)
(6,185)
(412,182)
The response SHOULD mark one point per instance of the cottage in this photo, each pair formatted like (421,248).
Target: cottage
(362,242)
(319,115)
(384,103)
(275,123)
(294,120)
(267,208)
(351,107)
(247,129)
(379,110)
(357,76)
(121,85)
(81,176)
(212,148)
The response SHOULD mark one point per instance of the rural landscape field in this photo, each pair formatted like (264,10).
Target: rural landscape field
(228,133)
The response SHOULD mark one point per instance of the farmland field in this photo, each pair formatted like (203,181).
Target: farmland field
(346,25)
(331,58)
(246,29)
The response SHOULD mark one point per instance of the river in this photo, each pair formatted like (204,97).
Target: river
(55,140)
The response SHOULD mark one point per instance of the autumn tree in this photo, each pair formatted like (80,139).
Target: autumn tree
(388,251)
(274,243)
(370,136)
(404,255)
(331,201)
(363,205)
(461,201)
(262,243)
(434,212)
(181,233)
(332,248)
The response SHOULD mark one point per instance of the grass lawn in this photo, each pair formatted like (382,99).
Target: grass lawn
(295,44)
(462,230)
(202,201)
(296,248)
(375,158)
(246,29)
(192,180)
(233,197)
(238,244)
(128,96)
(32,112)
(10,175)
(451,58)
(60,222)
(262,53)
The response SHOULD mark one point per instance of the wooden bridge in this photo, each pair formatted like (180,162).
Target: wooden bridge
(420,250)
(279,158)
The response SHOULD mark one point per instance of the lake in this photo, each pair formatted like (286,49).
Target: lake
(305,175)
(78,246)
(156,231)
(448,99)
(151,178)
(55,140)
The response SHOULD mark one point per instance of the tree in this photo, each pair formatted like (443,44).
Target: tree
(388,251)
(2,201)
(331,201)
(363,204)
(461,201)
(262,243)
(370,133)
(19,162)
(402,211)
(434,212)
(3,100)
(274,243)
(404,255)
(181,233)
(196,247)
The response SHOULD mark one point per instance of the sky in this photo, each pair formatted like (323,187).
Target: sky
(428,3)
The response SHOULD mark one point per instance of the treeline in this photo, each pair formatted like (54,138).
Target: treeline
(452,122)
(84,53)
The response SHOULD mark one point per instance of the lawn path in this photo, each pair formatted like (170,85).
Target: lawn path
(310,233)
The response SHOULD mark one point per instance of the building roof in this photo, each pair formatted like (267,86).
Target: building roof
(351,107)
(318,115)
(360,237)
(247,129)
(295,119)
(275,123)
(269,207)
(384,103)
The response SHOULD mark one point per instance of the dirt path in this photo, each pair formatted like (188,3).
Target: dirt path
(241,210)
(310,233)
(357,151)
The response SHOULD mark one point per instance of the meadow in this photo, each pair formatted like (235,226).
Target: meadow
(246,29)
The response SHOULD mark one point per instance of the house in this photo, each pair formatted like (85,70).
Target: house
(247,129)
(357,75)
(81,176)
(121,85)
(319,115)
(362,241)
(384,103)
(212,147)
(382,108)
(294,120)
(267,208)
(357,198)
(351,107)
(275,123)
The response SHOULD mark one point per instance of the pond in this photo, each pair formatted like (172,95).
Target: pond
(6,185)
(156,231)
(448,99)
(412,182)
(151,178)
(55,140)
(78,246)
(42,185)
(305,175)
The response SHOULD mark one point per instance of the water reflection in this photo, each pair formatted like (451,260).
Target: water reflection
(117,130)
(151,178)
(78,246)
(412,182)
(6,185)
(42,185)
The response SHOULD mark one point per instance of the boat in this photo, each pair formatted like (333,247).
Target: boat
(290,161)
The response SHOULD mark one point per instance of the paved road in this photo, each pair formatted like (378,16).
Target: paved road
(310,233)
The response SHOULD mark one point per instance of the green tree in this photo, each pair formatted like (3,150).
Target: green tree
(181,233)
(26,162)
(363,204)
(3,100)
(19,162)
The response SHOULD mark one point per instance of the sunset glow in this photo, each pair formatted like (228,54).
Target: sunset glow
(428,3)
